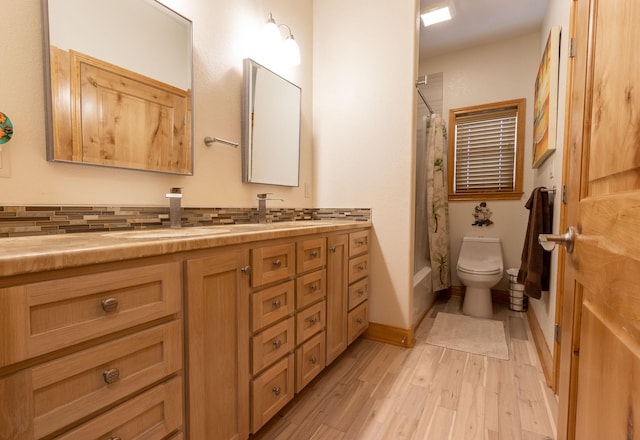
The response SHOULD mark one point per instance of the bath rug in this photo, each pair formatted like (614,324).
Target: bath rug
(472,335)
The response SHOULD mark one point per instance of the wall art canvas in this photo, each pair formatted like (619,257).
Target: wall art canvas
(545,106)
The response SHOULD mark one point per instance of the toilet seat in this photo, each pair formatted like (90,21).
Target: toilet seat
(480,269)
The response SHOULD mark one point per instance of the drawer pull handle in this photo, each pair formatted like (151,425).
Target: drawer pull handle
(110,305)
(246,270)
(314,254)
(313,360)
(277,343)
(360,267)
(313,321)
(313,287)
(276,390)
(361,292)
(360,242)
(111,375)
(332,248)
(359,321)
(277,263)
(276,303)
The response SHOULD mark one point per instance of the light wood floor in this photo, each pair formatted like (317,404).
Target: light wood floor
(380,392)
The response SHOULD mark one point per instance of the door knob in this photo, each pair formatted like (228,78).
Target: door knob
(548,241)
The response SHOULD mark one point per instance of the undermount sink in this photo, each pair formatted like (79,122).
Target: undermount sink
(167,233)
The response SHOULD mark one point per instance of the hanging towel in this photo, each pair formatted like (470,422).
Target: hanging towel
(536,263)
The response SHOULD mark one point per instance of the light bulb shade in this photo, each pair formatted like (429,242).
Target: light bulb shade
(291,51)
(271,33)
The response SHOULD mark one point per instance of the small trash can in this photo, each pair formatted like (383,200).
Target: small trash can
(517,299)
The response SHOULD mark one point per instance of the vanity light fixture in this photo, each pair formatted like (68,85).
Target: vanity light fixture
(437,13)
(288,49)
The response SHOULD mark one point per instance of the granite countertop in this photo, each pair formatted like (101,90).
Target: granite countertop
(21,255)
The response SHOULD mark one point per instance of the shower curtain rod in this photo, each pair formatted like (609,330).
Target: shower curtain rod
(423,82)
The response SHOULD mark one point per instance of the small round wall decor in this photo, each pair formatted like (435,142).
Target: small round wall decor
(6,128)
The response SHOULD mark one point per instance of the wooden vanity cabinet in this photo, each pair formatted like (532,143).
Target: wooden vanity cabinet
(92,354)
(217,305)
(337,299)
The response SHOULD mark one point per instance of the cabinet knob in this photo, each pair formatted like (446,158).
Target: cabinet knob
(277,343)
(276,303)
(313,360)
(313,254)
(361,292)
(246,270)
(313,321)
(110,305)
(111,375)
(360,242)
(277,263)
(332,248)
(360,267)
(359,321)
(276,390)
(313,287)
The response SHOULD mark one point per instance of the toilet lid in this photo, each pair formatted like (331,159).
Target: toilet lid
(480,268)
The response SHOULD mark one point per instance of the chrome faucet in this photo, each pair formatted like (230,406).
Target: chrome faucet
(262,207)
(175,211)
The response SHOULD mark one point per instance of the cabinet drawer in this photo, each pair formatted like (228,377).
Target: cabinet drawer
(358,321)
(358,268)
(271,344)
(71,387)
(311,288)
(43,317)
(311,254)
(358,243)
(310,360)
(272,263)
(271,305)
(271,391)
(151,416)
(358,292)
(310,321)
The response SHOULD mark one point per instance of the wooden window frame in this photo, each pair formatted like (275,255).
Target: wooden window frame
(516,194)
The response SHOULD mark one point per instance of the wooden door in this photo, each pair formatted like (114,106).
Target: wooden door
(218,346)
(599,375)
(337,295)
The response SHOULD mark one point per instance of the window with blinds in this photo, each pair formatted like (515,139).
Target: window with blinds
(485,151)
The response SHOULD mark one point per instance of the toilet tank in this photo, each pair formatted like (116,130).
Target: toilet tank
(484,252)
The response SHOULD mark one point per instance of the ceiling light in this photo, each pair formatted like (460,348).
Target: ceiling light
(436,16)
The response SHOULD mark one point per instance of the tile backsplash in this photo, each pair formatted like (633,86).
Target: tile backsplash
(16,221)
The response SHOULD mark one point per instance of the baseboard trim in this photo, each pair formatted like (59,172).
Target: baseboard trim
(390,335)
(546,359)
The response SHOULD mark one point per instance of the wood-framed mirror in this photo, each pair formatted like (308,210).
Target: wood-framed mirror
(118,76)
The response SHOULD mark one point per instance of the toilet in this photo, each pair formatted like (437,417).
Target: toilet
(479,268)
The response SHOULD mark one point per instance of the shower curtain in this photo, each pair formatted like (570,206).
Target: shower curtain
(437,202)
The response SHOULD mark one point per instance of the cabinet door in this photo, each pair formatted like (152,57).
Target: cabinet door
(218,346)
(337,281)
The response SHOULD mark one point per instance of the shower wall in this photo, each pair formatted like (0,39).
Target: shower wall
(423,295)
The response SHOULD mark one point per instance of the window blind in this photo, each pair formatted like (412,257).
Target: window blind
(485,151)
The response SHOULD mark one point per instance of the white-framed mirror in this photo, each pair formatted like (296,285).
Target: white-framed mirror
(270,127)
(118,77)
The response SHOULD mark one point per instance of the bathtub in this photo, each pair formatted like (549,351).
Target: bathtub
(423,296)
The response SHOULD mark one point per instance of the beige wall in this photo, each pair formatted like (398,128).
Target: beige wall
(496,72)
(364,133)
(224,32)
(550,173)
(491,73)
